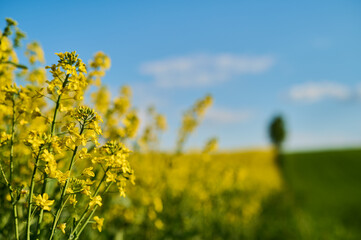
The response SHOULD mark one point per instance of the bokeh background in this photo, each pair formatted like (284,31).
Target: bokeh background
(258,59)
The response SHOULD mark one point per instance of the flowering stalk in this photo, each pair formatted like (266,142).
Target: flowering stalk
(91,214)
(56,219)
(88,207)
(191,120)
(57,106)
(48,147)
(40,218)
(59,210)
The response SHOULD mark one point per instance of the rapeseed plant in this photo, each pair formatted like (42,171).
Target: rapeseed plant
(52,161)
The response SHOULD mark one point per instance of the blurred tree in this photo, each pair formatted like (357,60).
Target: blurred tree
(277,133)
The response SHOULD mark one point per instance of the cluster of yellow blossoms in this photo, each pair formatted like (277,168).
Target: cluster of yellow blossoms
(50,153)
(191,120)
(156,124)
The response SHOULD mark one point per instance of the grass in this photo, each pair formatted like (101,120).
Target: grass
(326,185)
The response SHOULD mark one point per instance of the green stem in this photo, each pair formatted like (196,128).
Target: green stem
(59,210)
(16,219)
(87,209)
(57,217)
(101,181)
(31,195)
(91,214)
(52,129)
(12,142)
(41,214)
(57,106)
(15,64)
(4,176)
(13,200)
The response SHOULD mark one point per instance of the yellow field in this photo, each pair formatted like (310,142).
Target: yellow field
(195,195)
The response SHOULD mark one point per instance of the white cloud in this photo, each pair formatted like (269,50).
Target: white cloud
(203,70)
(145,95)
(227,116)
(315,91)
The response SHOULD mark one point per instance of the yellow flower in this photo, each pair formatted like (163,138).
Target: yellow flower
(52,169)
(95,126)
(72,200)
(47,156)
(98,223)
(121,105)
(62,177)
(69,190)
(161,122)
(43,202)
(62,227)
(211,145)
(82,68)
(158,204)
(8,197)
(4,137)
(97,200)
(121,187)
(35,113)
(80,140)
(86,190)
(159,224)
(34,139)
(37,75)
(131,123)
(88,172)
(101,99)
(88,182)
(132,178)
(56,146)
(82,152)
(35,53)
(23,122)
(100,61)
(126,91)
(110,177)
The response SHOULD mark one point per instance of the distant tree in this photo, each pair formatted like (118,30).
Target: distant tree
(277,131)
(277,135)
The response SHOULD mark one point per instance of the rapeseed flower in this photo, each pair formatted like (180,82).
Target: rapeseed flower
(62,227)
(97,200)
(98,223)
(43,202)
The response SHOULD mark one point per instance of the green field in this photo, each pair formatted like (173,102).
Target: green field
(323,196)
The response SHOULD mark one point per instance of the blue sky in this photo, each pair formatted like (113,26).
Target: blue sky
(257,58)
